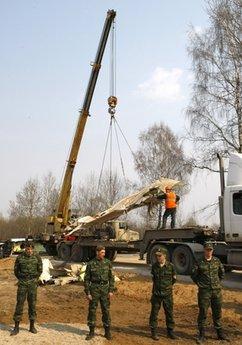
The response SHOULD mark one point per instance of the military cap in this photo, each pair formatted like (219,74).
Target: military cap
(161,251)
(208,245)
(28,244)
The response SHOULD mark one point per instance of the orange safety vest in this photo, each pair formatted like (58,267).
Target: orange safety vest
(170,200)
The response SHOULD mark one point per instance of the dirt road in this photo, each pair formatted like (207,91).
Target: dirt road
(62,313)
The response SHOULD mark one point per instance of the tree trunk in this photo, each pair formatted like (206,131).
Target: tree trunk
(159,217)
(238,110)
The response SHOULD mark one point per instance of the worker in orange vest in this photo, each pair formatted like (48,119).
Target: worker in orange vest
(171,200)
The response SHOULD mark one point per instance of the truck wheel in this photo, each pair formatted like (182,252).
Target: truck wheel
(51,249)
(79,253)
(111,254)
(151,254)
(64,251)
(182,259)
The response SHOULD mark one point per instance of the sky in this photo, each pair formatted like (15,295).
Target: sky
(46,50)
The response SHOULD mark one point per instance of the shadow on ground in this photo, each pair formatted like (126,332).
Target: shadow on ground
(64,328)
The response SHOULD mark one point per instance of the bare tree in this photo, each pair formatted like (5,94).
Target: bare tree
(214,113)
(113,188)
(93,196)
(161,155)
(85,201)
(49,194)
(28,203)
(33,203)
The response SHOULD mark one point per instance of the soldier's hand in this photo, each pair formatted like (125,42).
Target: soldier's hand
(89,297)
(110,294)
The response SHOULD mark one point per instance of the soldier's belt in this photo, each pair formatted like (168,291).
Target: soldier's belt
(99,282)
(28,278)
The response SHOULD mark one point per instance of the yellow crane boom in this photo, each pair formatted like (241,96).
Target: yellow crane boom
(62,214)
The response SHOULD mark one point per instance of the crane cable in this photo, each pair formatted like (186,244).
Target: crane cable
(112,102)
(114,126)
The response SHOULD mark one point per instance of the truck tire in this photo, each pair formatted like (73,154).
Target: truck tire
(79,253)
(111,254)
(64,251)
(182,260)
(51,249)
(151,256)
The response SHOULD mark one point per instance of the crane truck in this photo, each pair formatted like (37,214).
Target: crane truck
(184,245)
(56,240)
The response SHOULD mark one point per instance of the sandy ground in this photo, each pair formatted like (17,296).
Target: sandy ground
(51,334)
(62,313)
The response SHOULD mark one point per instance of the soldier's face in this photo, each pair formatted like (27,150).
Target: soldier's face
(29,251)
(161,258)
(208,253)
(101,254)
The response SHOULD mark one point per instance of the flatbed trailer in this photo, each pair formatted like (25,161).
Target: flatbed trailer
(184,245)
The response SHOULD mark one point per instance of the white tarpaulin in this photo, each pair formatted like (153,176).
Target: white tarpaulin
(144,197)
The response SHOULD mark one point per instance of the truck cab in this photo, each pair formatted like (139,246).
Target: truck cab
(233,214)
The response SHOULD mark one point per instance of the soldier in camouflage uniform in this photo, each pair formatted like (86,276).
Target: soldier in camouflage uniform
(99,287)
(164,276)
(207,274)
(27,269)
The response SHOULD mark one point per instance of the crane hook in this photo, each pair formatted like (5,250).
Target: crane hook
(112,102)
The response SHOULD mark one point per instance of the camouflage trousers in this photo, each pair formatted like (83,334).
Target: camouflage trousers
(99,294)
(167,301)
(207,297)
(26,289)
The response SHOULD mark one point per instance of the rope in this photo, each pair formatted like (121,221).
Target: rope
(113,121)
(124,137)
(119,150)
(112,79)
(104,157)
(111,160)
(112,72)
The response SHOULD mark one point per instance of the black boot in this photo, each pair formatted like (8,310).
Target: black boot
(15,331)
(201,336)
(90,334)
(170,334)
(32,329)
(107,333)
(221,335)
(154,334)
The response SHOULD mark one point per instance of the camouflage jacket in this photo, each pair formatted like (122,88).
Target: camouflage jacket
(208,274)
(163,278)
(99,273)
(28,267)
